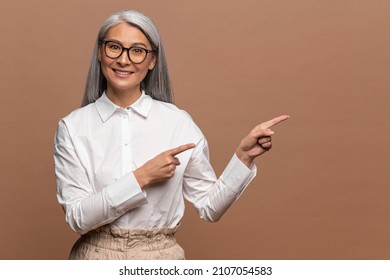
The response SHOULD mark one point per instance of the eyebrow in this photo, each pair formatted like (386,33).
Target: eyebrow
(132,45)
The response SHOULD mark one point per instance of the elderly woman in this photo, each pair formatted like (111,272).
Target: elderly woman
(126,160)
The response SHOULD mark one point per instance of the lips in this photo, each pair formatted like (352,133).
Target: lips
(122,73)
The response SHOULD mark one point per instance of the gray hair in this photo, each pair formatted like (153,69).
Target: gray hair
(156,83)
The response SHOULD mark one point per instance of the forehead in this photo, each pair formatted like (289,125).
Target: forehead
(127,34)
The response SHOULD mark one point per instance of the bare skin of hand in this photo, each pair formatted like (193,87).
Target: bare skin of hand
(161,168)
(258,141)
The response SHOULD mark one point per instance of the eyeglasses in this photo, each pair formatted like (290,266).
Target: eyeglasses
(135,54)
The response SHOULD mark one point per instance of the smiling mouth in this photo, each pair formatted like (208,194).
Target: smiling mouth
(122,73)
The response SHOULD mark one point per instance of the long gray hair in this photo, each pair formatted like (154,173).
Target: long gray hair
(156,83)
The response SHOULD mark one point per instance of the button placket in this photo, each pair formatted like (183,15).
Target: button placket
(126,134)
(126,141)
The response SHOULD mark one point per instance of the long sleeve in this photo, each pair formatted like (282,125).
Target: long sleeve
(84,206)
(211,196)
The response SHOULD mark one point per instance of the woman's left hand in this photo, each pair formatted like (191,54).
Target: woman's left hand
(258,141)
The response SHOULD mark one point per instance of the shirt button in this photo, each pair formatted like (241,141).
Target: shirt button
(126,143)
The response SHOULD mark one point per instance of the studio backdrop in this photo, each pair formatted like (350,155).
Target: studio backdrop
(323,190)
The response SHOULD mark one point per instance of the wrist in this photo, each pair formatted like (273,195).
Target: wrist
(244,158)
(141,178)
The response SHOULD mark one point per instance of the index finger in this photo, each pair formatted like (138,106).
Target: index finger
(175,151)
(275,121)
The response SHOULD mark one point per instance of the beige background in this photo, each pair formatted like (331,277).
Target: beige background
(322,192)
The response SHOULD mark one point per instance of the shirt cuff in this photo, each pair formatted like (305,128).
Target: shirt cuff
(126,194)
(237,175)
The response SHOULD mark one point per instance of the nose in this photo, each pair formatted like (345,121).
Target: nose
(123,59)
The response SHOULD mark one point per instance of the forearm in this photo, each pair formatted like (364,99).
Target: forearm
(212,197)
(85,212)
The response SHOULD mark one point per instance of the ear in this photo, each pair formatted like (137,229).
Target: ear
(153,62)
(100,54)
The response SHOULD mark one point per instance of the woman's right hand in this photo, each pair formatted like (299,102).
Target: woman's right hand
(161,168)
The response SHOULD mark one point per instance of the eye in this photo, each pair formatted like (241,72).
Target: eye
(137,51)
(113,46)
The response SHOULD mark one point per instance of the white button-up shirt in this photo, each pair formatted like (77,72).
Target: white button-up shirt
(98,147)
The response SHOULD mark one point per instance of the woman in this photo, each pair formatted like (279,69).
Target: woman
(128,157)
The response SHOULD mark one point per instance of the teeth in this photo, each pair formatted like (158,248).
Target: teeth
(122,72)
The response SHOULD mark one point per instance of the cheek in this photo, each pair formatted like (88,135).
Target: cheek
(105,69)
(105,63)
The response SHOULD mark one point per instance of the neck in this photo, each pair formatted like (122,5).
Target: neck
(123,98)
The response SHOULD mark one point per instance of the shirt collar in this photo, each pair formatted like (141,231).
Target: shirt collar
(106,107)
(143,104)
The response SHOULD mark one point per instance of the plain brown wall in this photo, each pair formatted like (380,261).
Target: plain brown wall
(321,193)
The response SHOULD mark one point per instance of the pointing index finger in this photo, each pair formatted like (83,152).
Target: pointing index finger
(275,121)
(175,151)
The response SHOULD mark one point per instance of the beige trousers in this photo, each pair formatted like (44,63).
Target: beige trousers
(106,243)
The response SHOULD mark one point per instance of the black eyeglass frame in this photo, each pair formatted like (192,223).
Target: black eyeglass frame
(105,42)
